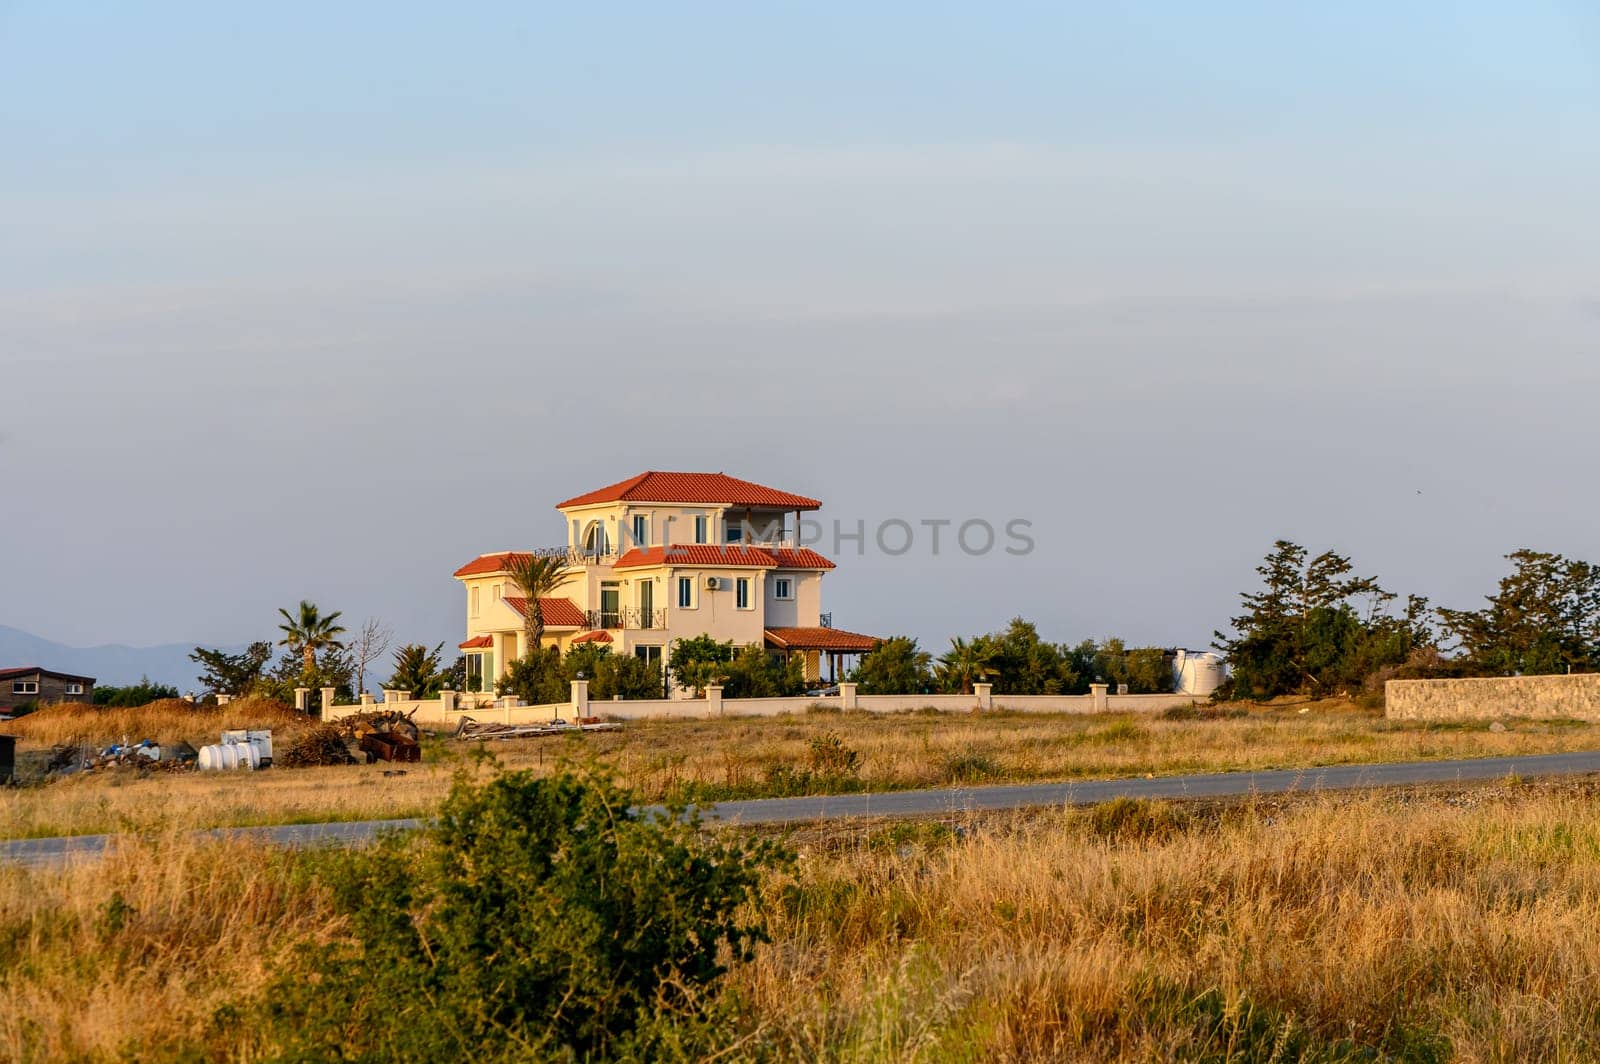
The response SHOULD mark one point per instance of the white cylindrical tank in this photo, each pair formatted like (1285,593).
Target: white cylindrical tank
(1198,672)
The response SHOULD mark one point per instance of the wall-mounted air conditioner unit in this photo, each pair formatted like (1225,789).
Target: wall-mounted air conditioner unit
(713,583)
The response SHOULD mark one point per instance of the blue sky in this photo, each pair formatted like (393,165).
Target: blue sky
(319,300)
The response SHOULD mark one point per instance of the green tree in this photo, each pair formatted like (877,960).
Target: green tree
(331,667)
(1543,618)
(895,667)
(1304,632)
(541,919)
(611,674)
(965,664)
(538,575)
(416,671)
(754,673)
(700,662)
(234,674)
(307,632)
(140,694)
(537,678)
(1024,664)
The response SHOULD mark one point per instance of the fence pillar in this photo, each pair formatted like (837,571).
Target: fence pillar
(447,701)
(223,699)
(302,699)
(580,698)
(985,695)
(391,696)
(714,700)
(367,699)
(847,696)
(1097,691)
(328,695)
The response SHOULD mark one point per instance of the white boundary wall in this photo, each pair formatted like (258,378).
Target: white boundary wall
(448,709)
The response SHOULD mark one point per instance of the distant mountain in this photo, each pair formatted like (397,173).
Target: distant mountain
(168,664)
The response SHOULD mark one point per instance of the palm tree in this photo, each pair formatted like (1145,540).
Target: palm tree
(538,576)
(416,670)
(309,633)
(967,663)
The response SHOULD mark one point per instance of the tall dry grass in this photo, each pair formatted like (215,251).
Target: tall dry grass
(752,757)
(167,721)
(1328,929)
(1449,926)
(132,956)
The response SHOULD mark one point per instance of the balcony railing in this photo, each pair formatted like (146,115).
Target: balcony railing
(626,617)
(576,558)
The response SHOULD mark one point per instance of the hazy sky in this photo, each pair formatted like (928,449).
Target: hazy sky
(321,300)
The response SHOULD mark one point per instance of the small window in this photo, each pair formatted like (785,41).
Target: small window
(472,597)
(74,688)
(700,529)
(733,532)
(24,687)
(783,588)
(741,593)
(686,592)
(495,592)
(641,530)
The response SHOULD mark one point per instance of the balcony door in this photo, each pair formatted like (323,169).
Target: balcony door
(647,603)
(610,605)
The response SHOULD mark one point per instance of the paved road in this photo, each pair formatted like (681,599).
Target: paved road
(935,802)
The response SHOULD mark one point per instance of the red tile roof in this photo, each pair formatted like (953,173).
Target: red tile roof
(490,563)
(731,554)
(558,612)
(697,554)
(593,637)
(821,639)
(705,488)
(799,558)
(478,642)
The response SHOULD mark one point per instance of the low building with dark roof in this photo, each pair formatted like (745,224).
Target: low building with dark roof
(31,685)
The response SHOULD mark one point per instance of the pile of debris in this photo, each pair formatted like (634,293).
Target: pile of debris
(483,730)
(385,735)
(322,745)
(144,756)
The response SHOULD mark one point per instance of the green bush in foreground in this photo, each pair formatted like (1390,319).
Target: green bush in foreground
(541,919)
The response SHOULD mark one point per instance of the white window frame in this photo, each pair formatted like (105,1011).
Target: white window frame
(783,588)
(74,688)
(634,523)
(472,601)
(24,687)
(694,598)
(702,528)
(496,593)
(732,532)
(741,593)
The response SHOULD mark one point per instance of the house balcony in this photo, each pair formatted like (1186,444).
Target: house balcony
(630,618)
(575,558)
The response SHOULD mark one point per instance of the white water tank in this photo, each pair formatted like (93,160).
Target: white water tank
(1198,672)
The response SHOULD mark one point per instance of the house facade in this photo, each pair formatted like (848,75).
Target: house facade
(31,685)
(661,557)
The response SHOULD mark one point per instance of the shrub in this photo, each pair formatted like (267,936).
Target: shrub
(1123,731)
(831,757)
(1198,712)
(540,918)
(1122,819)
(969,768)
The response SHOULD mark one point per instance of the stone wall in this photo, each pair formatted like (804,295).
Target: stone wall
(1571,697)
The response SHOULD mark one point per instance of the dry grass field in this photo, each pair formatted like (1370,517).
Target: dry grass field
(1453,925)
(729,758)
